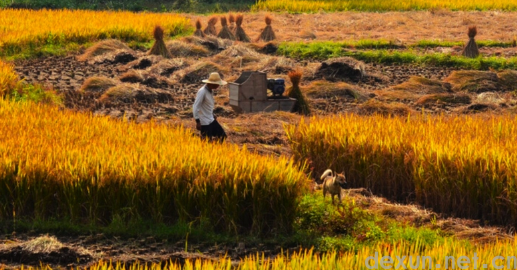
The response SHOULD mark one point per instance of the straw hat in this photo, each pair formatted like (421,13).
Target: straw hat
(214,78)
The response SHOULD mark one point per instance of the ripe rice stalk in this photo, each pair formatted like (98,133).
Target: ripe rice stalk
(225,32)
(432,159)
(159,47)
(123,92)
(179,48)
(210,28)
(471,49)
(36,28)
(240,34)
(138,171)
(267,34)
(302,106)
(97,84)
(8,78)
(199,32)
(133,76)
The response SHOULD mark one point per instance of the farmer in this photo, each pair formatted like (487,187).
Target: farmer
(203,109)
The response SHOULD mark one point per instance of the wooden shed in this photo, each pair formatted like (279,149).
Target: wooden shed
(249,94)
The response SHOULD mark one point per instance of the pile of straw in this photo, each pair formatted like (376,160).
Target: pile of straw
(471,50)
(240,35)
(198,32)
(159,47)
(267,34)
(225,31)
(295,92)
(231,19)
(210,28)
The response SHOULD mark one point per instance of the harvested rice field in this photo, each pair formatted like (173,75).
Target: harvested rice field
(361,73)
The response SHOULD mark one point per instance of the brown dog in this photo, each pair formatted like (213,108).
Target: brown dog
(333,184)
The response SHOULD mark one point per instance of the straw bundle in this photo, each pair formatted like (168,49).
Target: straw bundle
(159,47)
(295,92)
(199,32)
(267,34)
(240,35)
(231,19)
(210,28)
(225,31)
(471,50)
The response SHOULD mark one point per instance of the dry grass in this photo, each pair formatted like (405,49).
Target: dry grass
(121,93)
(326,89)
(508,80)
(179,48)
(210,28)
(457,98)
(97,84)
(473,81)
(225,32)
(199,32)
(267,34)
(42,244)
(405,27)
(414,89)
(301,106)
(471,49)
(168,66)
(238,55)
(159,47)
(275,65)
(198,71)
(103,47)
(375,107)
(240,34)
(133,76)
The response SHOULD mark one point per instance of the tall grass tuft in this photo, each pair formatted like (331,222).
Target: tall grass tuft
(464,165)
(8,79)
(57,164)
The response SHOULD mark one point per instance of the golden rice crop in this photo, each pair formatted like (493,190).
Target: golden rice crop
(60,164)
(381,5)
(464,165)
(450,254)
(8,78)
(21,28)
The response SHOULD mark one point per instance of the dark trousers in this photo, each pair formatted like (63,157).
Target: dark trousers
(213,131)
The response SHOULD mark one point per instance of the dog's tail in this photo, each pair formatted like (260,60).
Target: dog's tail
(328,172)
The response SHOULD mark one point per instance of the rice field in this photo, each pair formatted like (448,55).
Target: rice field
(22,28)
(8,78)
(450,254)
(65,165)
(463,165)
(309,6)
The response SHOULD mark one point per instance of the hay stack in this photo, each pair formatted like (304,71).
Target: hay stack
(120,93)
(210,28)
(159,47)
(133,76)
(103,47)
(240,35)
(97,84)
(473,81)
(471,50)
(231,19)
(267,34)
(295,92)
(225,31)
(183,49)
(195,72)
(198,32)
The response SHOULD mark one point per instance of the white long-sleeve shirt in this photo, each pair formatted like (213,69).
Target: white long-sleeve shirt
(203,108)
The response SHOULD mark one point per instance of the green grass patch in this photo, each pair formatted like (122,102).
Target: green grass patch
(326,50)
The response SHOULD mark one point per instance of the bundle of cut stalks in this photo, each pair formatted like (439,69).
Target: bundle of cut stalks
(210,28)
(159,47)
(225,31)
(198,32)
(295,92)
(471,50)
(267,34)
(240,35)
(231,19)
